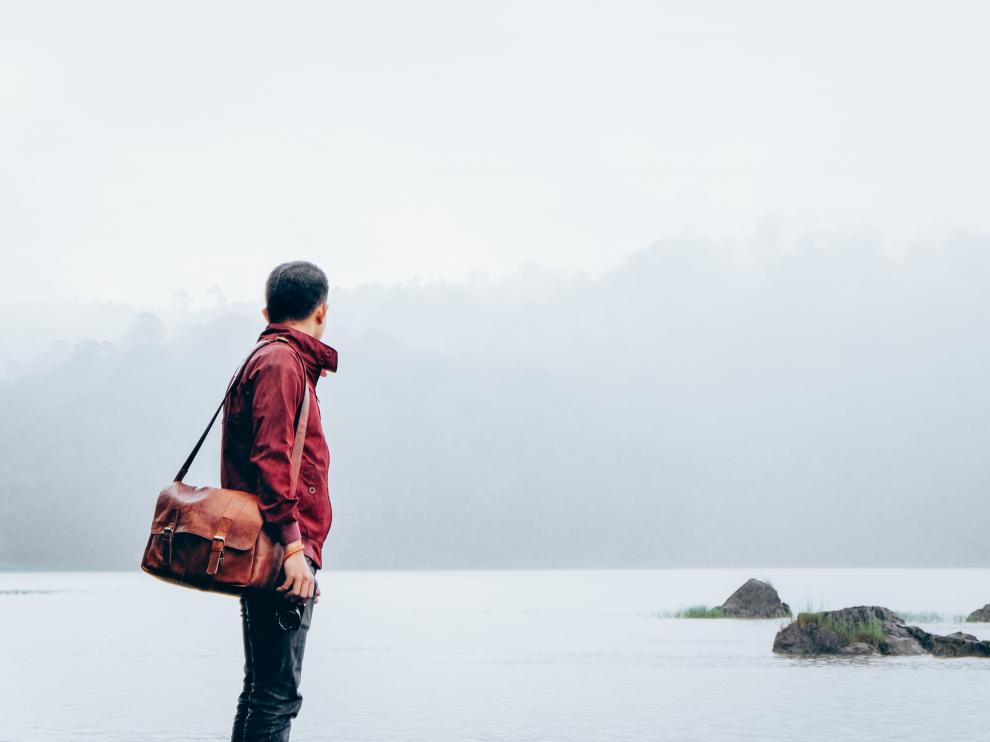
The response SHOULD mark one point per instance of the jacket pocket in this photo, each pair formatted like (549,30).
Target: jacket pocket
(309,482)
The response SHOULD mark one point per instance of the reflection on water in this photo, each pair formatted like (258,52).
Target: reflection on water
(485,655)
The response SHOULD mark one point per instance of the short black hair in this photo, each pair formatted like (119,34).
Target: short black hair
(293,290)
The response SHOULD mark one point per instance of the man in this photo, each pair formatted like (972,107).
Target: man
(259,425)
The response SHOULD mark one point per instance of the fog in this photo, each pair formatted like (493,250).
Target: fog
(625,284)
(806,402)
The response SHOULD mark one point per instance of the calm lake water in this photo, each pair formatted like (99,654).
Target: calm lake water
(485,655)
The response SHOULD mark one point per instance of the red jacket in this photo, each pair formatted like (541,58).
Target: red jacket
(259,422)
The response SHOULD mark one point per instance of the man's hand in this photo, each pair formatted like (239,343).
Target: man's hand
(300,584)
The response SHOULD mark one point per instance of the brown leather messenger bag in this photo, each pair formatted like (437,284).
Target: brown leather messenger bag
(213,539)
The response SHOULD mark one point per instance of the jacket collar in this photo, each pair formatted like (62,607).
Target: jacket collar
(316,354)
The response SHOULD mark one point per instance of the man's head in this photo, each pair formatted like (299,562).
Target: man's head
(296,294)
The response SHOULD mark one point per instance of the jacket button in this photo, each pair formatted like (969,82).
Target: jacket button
(312,490)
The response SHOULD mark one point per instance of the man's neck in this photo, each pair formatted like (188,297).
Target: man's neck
(307,327)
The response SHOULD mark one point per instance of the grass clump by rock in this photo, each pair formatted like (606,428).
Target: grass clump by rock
(930,617)
(852,629)
(700,611)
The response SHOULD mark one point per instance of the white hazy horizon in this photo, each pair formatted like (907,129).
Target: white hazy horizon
(824,406)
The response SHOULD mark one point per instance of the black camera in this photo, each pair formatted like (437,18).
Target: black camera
(288,613)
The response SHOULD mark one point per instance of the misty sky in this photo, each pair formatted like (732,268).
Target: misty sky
(149,147)
(615,284)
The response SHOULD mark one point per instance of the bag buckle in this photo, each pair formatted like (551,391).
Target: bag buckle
(216,555)
(167,533)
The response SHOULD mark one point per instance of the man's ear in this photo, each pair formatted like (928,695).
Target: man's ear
(321,313)
(264,313)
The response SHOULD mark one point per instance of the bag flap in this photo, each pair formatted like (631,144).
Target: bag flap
(198,510)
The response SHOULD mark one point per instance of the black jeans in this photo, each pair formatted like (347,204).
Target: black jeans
(273,657)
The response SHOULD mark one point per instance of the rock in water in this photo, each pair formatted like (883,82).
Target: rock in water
(836,632)
(863,630)
(959,644)
(859,648)
(901,642)
(755,599)
(980,615)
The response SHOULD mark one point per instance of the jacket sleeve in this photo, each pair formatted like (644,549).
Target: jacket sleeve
(277,391)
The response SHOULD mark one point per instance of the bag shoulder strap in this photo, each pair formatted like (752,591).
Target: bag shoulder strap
(300,435)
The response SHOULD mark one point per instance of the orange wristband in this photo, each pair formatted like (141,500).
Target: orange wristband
(292,551)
